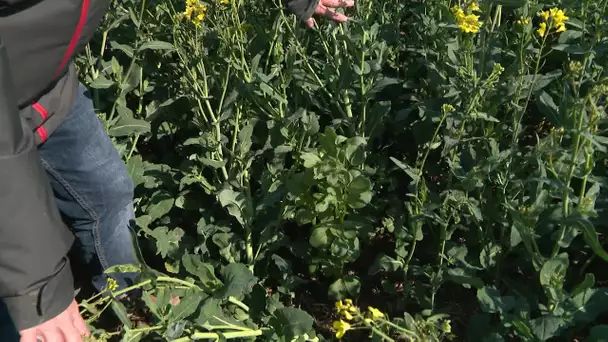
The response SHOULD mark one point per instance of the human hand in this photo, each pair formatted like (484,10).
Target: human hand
(325,9)
(68,326)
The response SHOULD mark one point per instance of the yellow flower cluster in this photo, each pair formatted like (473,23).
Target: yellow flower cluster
(348,312)
(467,21)
(195,11)
(554,17)
(111,284)
(524,21)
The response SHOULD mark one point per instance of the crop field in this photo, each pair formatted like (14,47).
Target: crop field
(432,170)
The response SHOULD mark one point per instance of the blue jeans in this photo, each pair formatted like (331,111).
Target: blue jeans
(93,191)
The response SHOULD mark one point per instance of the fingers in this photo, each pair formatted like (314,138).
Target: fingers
(78,322)
(69,334)
(52,335)
(331,14)
(311,23)
(28,335)
(338,3)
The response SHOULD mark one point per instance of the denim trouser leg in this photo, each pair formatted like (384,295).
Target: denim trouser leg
(93,190)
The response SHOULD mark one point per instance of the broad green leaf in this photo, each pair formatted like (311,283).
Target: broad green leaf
(585,285)
(320,237)
(589,234)
(167,240)
(385,263)
(187,306)
(135,167)
(598,333)
(587,305)
(174,330)
(491,301)
(193,263)
(291,322)
(346,287)
(237,205)
(156,45)
(238,281)
(546,327)
(160,205)
(127,126)
(120,311)
(548,107)
(489,255)
(553,272)
(359,192)
(310,159)
(101,83)
(413,173)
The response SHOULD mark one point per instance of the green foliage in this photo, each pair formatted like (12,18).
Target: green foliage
(394,159)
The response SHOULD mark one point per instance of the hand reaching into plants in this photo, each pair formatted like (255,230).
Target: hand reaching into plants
(68,326)
(324,8)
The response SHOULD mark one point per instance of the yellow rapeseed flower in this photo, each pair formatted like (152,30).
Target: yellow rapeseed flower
(542,29)
(556,17)
(523,21)
(467,22)
(375,312)
(195,11)
(111,284)
(341,328)
(473,6)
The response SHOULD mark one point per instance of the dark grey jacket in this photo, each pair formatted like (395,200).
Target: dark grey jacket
(38,83)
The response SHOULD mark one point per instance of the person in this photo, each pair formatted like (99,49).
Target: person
(57,166)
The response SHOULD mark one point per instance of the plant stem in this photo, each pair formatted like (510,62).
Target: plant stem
(214,336)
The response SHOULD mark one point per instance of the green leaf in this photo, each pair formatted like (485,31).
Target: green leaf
(238,281)
(167,240)
(127,126)
(121,312)
(492,302)
(160,205)
(193,263)
(156,45)
(547,106)
(346,287)
(187,306)
(101,82)
(135,168)
(291,322)
(385,263)
(489,255)
(589,304)
(310,159)
(237,205)
(589,234)
(553,272)
(319,237)
(598,333)
(585,285)
(546,327)
(359,192)
(413,173)
(569,35)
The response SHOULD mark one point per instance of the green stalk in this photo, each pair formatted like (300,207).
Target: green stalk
(214,336)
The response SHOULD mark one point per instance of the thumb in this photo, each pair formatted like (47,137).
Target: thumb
(77,320)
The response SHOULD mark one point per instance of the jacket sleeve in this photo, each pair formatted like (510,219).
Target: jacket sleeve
(302,9)
(36,282)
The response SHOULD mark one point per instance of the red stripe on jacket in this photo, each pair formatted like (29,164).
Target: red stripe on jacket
(76,36)
(42,132)
(41,110)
